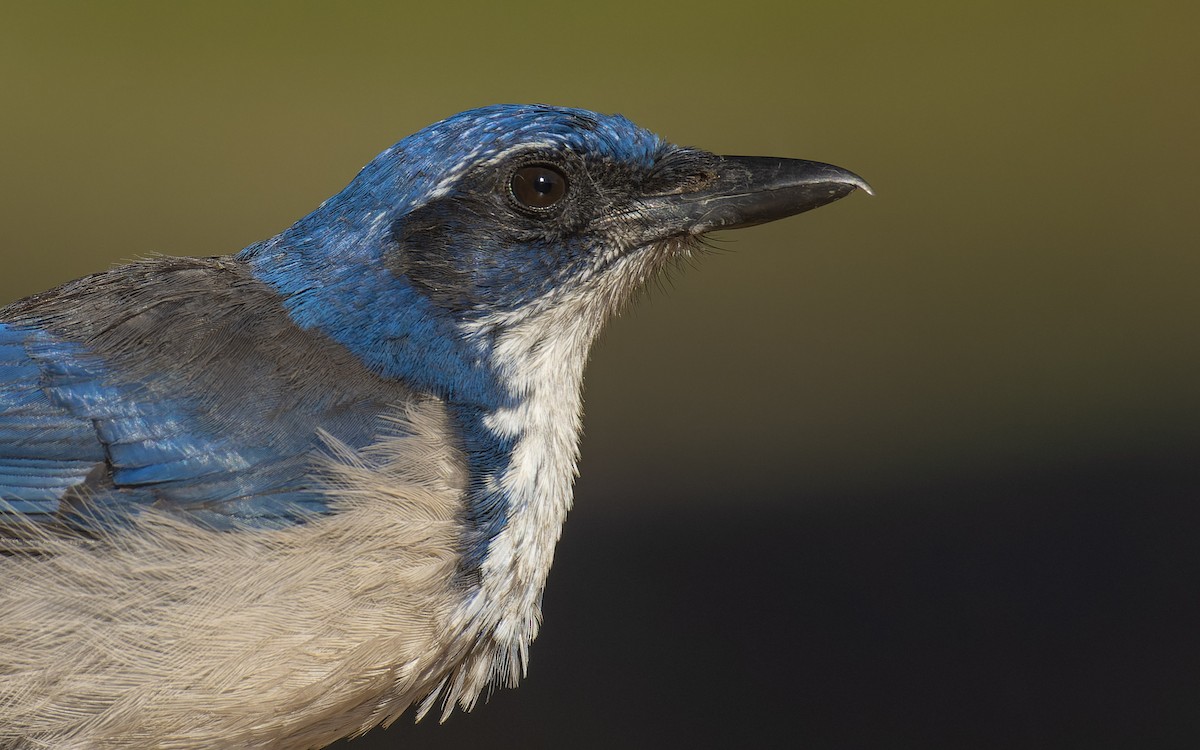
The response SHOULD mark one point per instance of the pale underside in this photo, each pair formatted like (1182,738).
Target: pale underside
(165,636)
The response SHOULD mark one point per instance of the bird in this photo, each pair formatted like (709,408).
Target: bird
(277,498)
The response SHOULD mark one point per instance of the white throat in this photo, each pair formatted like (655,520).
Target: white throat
(540,359)
(539,354)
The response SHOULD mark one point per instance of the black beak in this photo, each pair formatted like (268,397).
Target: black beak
(751,190)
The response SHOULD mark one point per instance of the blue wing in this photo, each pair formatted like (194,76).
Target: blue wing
(78,443)
(46,449)
(179,384)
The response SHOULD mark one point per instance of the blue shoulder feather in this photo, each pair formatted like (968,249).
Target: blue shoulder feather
(177,383)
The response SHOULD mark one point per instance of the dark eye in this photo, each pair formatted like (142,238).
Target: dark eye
(538,186)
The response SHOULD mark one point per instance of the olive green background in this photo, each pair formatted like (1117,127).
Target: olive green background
(911,469)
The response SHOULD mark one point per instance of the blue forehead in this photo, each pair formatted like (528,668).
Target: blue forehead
(478,134)
(412,170)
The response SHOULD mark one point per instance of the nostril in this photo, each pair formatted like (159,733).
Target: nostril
(681,171)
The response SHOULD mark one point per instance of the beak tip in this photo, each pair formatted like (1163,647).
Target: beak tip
(855,181)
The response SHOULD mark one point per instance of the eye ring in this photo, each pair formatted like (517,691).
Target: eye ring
(538,186)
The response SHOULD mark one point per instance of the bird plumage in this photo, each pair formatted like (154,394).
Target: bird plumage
(272,499)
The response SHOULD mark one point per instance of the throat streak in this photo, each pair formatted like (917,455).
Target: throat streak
(544,365)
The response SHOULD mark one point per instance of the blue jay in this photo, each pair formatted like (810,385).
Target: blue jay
(273,499)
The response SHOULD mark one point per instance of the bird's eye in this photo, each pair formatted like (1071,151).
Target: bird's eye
(538,186)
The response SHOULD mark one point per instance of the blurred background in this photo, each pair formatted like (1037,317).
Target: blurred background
(917,470)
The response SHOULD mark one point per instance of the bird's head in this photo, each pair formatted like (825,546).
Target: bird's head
(520,215)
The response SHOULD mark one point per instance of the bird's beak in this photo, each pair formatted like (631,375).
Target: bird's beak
(751,190)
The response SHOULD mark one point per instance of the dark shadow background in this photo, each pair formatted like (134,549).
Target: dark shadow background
(911,471)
